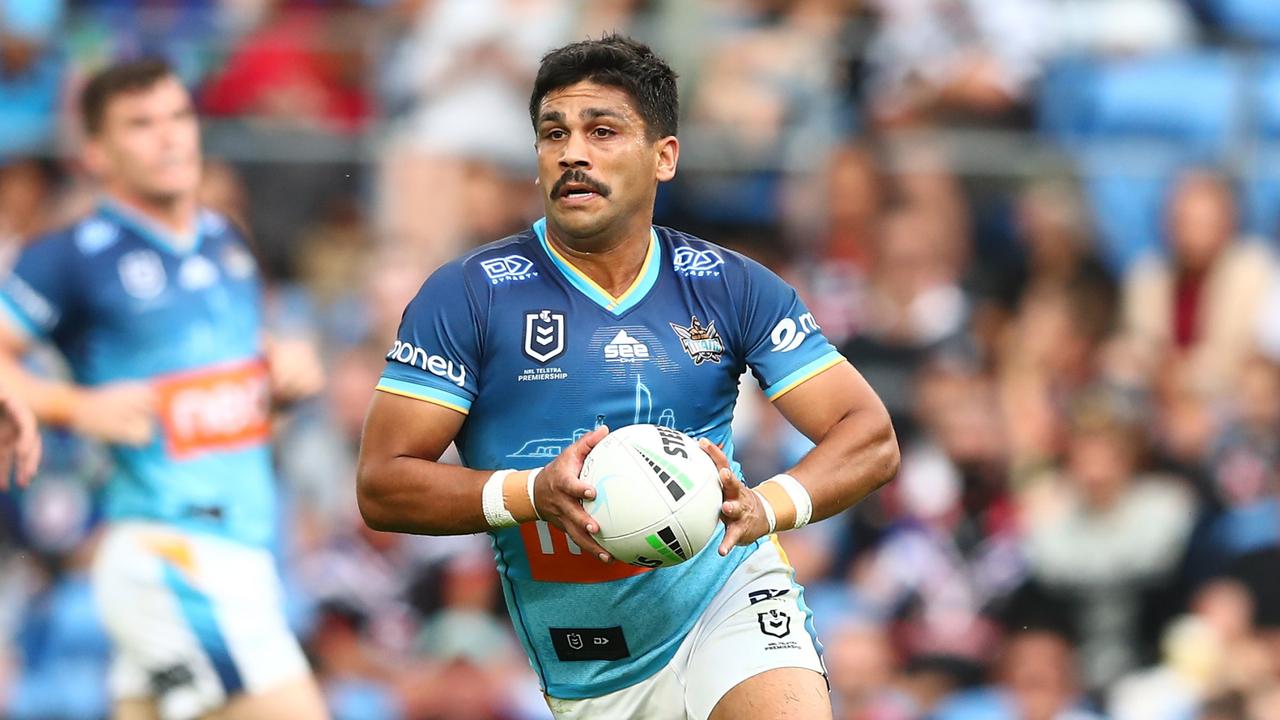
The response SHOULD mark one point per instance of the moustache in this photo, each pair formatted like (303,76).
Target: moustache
(580,178)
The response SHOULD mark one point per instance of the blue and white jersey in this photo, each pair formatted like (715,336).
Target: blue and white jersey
(122,302)
(537,354)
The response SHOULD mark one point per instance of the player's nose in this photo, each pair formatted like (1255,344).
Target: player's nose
(575,154)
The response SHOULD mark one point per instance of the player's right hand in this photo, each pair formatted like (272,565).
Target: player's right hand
(121,413)
(558,494)
(19,441)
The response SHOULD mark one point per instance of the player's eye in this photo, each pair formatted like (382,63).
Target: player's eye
(603,132)
(555,134)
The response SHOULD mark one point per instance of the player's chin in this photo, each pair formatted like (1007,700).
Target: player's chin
(581,221)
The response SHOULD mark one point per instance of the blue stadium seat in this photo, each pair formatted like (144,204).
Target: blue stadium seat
(1257,20)
(1194,99)
(1133,124)
(1261,198)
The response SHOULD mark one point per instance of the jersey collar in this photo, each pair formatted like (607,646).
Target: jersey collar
(150,231)
(631,297)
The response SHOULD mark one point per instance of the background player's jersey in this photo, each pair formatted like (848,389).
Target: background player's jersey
(537,355)
(120,302)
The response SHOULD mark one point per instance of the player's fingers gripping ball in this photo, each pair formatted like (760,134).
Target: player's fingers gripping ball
(657,495)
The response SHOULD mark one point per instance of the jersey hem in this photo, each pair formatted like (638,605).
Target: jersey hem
(587,692)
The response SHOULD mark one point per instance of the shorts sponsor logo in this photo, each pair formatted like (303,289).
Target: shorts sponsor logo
(578,644)
(544,335)
(692,262)
(408,354)
(774,623)
(701,344)
(215,409)
(142,274)
(625,349)
(511,267)
(168,679)
(756,596)
(788,333)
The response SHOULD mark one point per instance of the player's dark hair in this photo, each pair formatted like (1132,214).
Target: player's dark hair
(113,81)
(622,63)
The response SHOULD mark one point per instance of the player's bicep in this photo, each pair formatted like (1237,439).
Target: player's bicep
(817,404)
(398,426)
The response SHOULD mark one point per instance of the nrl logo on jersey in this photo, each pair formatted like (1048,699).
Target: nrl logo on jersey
(703,344)
(142,274)
(692,262)
(511,267)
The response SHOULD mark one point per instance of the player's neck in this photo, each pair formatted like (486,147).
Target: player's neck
(177,218)
(613,262)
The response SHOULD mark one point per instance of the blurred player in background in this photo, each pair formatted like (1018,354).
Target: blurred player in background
(155,304)
(526,350)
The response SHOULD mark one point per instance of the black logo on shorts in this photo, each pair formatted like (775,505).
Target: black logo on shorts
(166,680)
(775,623)
(756,596)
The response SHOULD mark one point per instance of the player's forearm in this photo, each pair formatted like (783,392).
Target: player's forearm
(52,402)
(412,495)
(857,456)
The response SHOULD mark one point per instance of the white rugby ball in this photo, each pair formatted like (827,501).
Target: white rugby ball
(657,495)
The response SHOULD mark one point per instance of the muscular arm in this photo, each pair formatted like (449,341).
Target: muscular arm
(399,485)
(856,451)
(51,401)
(121,412)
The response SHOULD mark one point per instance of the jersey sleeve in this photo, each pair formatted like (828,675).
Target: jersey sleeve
(784,344)
(36,296)
(436,354)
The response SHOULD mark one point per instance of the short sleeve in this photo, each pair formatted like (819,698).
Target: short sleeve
(785,345)
(36,296)
(436,354)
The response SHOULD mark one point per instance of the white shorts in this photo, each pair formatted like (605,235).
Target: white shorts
(757,622)
(195,619)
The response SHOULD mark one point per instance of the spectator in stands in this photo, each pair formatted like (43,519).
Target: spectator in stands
(914,305)
(1102,534)
(1200,304)
(932,59)
(1122,27)
(465,68)
(1036,679)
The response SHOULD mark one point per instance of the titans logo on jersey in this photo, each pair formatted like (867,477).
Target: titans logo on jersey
(122,302)
(536,355)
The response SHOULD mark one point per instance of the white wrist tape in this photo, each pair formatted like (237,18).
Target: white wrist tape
(768,511)
(799,497)
(533,475)
(491,501)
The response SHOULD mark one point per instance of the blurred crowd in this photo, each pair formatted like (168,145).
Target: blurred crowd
(1078,337)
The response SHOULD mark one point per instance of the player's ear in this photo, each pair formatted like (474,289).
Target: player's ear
(668,150)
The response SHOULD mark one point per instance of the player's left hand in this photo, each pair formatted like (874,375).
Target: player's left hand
(744,518)
(295,368)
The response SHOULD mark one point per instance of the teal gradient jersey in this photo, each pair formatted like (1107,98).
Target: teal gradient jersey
(536,355)
(120,302)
